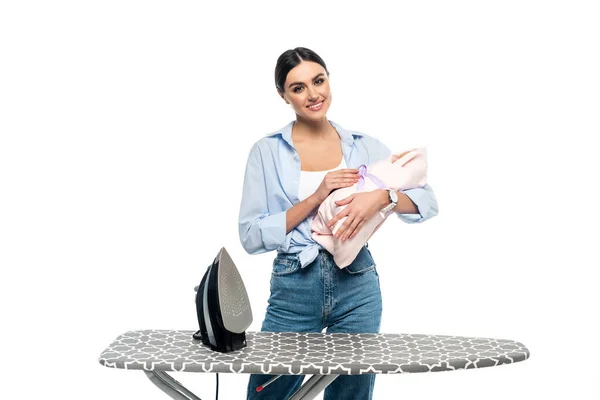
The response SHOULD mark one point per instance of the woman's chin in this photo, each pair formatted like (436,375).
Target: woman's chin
(316,115)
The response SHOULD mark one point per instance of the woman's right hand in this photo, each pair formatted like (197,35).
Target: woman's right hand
(337,179)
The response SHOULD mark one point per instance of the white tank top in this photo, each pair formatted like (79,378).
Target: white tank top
(310,180)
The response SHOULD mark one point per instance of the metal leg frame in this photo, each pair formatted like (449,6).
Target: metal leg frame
(308,391)
(311,388)
(170,386)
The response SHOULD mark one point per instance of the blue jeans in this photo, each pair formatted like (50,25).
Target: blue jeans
(316,297)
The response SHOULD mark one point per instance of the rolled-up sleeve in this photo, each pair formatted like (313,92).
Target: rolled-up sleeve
(423,197)
(259,230)
(426,203)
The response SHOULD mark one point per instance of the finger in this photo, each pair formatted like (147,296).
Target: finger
(346,174)
(357,229)
(332,222)
(342,228)
(336,218)
(346,182)
(341,216)
(351,229)
(344,179)
(341,177)
(345,201)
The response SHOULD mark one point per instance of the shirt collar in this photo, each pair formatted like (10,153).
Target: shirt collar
(346,136)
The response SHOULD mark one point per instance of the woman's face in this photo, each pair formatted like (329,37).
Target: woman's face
(307,84)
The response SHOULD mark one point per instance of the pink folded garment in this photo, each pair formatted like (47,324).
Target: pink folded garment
(400,171)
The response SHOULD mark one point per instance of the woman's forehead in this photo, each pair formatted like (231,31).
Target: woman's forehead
(306,71)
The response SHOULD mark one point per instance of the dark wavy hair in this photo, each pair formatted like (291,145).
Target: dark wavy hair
(289,59)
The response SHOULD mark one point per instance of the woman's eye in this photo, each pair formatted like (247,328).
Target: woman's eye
(320,80)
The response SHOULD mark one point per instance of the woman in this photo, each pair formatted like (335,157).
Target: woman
(288,174)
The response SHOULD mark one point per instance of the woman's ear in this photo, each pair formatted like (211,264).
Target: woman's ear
(282,96)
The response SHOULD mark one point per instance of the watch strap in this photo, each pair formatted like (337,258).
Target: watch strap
(390,206)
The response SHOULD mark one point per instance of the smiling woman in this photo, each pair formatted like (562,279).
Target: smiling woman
(289,173)
(305,90)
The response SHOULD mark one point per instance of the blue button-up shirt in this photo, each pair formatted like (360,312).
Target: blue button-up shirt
(271,188)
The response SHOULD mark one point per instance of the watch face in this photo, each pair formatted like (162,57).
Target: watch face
(394,196)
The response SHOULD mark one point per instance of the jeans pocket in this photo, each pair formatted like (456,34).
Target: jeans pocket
(285,264)
(362,263)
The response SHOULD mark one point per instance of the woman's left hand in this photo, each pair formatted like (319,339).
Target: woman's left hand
(360,208)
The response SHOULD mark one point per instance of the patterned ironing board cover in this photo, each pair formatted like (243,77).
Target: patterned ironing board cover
(288,353)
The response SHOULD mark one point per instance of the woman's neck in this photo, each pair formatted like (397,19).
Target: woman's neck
(320,129)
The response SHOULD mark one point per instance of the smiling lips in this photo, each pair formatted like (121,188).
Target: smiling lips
(316,107)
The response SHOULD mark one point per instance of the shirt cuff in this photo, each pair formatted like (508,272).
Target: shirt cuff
(272,229)
(416,196)
(411,218)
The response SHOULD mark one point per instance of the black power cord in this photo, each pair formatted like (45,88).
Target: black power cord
(217,393)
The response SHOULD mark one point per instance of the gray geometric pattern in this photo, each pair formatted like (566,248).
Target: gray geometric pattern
(289,353)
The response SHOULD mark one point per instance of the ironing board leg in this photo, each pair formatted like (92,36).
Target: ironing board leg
(170,386)
(311,388)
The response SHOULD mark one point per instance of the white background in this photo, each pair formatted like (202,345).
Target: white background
(125,129)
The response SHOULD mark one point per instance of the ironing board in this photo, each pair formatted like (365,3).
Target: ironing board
(322,355)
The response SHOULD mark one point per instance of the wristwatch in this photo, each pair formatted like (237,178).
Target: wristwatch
(393,197)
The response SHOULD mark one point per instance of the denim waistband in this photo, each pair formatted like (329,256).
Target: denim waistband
(296,255)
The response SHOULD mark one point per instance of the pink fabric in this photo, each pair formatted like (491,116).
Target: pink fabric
(400,171)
